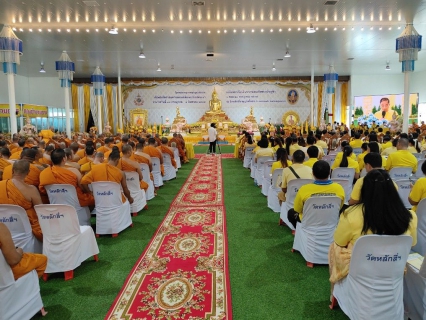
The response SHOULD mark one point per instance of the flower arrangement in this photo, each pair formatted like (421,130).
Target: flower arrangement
(364,119)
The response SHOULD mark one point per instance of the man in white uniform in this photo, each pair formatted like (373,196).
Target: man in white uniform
(212,138)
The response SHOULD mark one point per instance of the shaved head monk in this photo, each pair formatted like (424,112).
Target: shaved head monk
(33,177)
(20,262)
(16,191)
(164,148)
(60,173)
(129,165)
(108,172)
(154,152)
(181,148)
(4,157)
(87,167)
(141,156)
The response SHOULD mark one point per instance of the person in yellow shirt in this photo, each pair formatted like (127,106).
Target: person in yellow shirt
(294,146)
(357,142)
(322,186)
(282,160)
(419,190)
(302,171)
(264,150)
(380,212)
(313,156)
(364,148)
(387,143)
(310,141)
(339,155)
(401,158)
(412,146)
(385,111)
(374,147)
(391,149)
(346,161)
(320,142)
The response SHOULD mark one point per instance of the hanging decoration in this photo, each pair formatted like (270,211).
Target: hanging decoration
(10,50)
(330,80)
(65,68)
(408,44)
(98,81)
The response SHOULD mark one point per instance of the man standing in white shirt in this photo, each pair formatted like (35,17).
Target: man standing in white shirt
(212,138)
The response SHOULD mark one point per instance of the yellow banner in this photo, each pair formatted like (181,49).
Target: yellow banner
(5,112)
(34,111)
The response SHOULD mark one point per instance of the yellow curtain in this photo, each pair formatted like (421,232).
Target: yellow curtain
(74,97)
(344,101)
(110,106)
(319,114)
(86,105)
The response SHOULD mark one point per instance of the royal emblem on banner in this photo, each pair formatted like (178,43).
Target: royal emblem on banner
(138,101)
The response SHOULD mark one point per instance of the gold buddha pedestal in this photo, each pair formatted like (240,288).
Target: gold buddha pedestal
(249,123)
(179,123)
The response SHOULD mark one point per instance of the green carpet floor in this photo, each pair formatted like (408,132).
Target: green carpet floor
(267,280)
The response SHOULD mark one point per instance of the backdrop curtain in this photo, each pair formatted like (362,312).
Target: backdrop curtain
(343,101)
(74,102)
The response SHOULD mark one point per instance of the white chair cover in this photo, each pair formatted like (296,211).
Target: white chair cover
(66,194)
(112,215)
(267,178)
(253,166)
(138,195)
(419,156)
(315,233)
(414,292)
(247,157)
(420,246)
(65,243)
(325,151)
(292,188)
(419,173)
(156,172)
(20,299)
(169,170)
(274,189)
(399,173)
(259,169)
(329,158)
(363,172)
(147,178)
(357,151)
(343,173)
(404,188)
(347,186)
(373,289)
(177,158)
(16,220)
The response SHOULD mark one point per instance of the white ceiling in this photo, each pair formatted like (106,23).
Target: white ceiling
(235,53)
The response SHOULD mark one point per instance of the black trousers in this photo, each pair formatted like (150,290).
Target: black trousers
(212,147)
(293,217)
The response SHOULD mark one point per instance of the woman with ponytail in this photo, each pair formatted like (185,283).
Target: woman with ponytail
(346,161)
(282,160)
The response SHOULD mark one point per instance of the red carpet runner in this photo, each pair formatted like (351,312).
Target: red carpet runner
(183,273)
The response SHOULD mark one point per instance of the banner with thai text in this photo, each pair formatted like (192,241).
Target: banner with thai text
(34,111)
(5,111)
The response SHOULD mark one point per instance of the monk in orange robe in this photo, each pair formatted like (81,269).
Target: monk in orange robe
(59,173)
(17,191)
(16,153)
(108,172)
(33,176)
(87,167)
(47,134)
(164,148)
(14,144)
(45,159)
(126,164)
(154,152)
(5,154)
(107,146)
(124,140)
(20,262)
(181,150)
(89,157)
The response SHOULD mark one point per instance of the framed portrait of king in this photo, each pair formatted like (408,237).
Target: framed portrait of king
(290,119)
(139,117)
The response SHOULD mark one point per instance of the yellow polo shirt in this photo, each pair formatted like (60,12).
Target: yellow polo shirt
(304,172)
(351,164)
(351,222)
(389,151)
(321,143)
(293,148)
(401,158)
(356,190)
(386,145)
(361,160)
(265,152)
(310,162)
(356,143)
(418,192)
(278,165)
(314,190)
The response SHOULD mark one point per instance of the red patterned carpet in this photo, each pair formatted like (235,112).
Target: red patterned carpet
(183,273)
(223,155)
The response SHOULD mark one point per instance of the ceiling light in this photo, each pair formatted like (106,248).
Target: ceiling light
(42,67)
(224,31)
(343,28)
(77,30)
(190,31)
(113,30)
(49,30)
(387,68)
(287,54)
(310,29)
(31,30)
(273,67)
(280,30)
(172,31)
(325,29)
(158,69)
(141,55)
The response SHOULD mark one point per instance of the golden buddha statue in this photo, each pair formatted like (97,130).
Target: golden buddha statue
(215,104)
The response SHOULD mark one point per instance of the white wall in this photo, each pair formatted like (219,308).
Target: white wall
(35,90)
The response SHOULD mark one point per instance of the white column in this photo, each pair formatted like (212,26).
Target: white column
(406,110)
(119,106)
(312,97)
(67,112)
(330,108)
(12,103)
(99,102)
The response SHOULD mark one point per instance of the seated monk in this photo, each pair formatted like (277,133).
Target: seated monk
(17,191)
(154,152)
(124,140)
(47,134)
(89,157)
(82,152)
(181,150)
(14,144)
(59,173)
(164,148)
(107,146)
(4,157)
(21,263)
(74,148)
(69,155)
(87,167)
(16,153)
(45,159)
(127,164)
(33,176)
(108,172)
(141,156)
